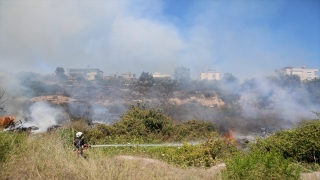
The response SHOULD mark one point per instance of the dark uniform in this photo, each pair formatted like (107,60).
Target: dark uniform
(79,144)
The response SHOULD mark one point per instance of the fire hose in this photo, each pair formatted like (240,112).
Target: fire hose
(145,145)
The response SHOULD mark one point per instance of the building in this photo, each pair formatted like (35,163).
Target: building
(110,76)
(128,75)
(88,74)
(303,72)
(158,75)
(209,75)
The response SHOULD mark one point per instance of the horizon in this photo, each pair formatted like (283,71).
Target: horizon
(273,73)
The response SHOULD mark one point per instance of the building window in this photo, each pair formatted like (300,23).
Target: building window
(308,72)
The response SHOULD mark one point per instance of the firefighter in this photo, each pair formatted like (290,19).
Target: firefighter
(79,144)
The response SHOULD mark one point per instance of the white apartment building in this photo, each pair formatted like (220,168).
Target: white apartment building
(209,75)
(158,75)
(303,72)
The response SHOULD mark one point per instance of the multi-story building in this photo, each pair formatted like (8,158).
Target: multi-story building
(303,72)
(209,75)
(128,75)
(88,74)
(158,75)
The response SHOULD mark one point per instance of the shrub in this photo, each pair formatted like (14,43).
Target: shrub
(208,94)
(151,125)
(193,130)
(300,143)
(204,155)
(260,165)
(140,122)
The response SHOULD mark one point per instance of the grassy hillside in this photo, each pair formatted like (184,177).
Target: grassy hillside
(45,156)
(50,155)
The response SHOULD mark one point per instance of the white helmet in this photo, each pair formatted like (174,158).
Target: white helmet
(79,134)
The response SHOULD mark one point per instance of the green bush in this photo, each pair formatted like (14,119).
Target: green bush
(193,130)
(203,155)
(141,122)
(260,165)
(300,143)
(151,125)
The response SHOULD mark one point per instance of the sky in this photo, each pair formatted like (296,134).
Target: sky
(247,38)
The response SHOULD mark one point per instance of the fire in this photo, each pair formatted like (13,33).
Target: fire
(6,121)
(229,135)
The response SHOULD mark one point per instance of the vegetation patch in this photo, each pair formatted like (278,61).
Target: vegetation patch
(300,143)
(144,125)
(260,165)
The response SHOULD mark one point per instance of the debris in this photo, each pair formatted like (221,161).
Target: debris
(53,128)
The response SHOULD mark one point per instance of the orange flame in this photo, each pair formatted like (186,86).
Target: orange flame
(230,137)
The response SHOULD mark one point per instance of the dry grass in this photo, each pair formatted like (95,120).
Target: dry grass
(44,157)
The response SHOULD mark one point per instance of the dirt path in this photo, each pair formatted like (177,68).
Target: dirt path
(310,176)
(147,164)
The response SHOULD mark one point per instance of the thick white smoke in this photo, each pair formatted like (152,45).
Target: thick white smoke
(266,97)
(42,115)
(100,114)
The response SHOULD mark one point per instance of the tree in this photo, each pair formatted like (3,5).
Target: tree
(146,79)
(60,73)
(313,88)
(145,82)
(229,78)
(289,82)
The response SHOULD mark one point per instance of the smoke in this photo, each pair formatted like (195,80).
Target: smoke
(43,115)
(247,38)
(136,36)
(288,104)
(102,114)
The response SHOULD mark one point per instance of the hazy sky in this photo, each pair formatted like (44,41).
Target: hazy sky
(247,38)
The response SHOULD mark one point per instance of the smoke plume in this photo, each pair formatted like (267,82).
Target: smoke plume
(43,115)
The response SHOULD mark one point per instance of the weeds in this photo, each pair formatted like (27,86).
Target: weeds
(260,165)
(300,143)
(11,143)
